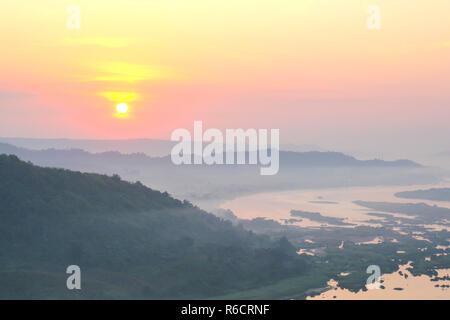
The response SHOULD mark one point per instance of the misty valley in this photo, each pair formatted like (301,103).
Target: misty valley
(297,235)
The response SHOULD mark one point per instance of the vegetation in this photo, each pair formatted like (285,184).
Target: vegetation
(129,241)
(133,242)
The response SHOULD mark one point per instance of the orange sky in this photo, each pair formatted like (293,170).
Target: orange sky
(311,68)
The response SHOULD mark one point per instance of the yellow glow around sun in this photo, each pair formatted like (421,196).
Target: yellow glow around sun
(118,97)
(122,108)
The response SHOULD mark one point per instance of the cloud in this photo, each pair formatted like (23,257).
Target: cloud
(97,41)
(120,96)
(127,72)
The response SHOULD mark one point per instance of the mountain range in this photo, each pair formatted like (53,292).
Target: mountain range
(207,185)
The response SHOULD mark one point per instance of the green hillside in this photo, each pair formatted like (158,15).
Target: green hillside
(129,241)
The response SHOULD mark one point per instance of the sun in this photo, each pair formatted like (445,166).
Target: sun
(122,108)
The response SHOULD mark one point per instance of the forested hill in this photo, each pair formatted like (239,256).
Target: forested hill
(26,187)
(129,241)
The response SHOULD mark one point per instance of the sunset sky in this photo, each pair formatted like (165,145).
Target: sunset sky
(311,68)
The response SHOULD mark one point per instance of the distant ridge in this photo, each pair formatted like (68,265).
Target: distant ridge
(56,157)
(151,147)
(205,184)
(331,159)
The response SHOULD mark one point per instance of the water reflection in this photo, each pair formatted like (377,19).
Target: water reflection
(334,202)
(397,285)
